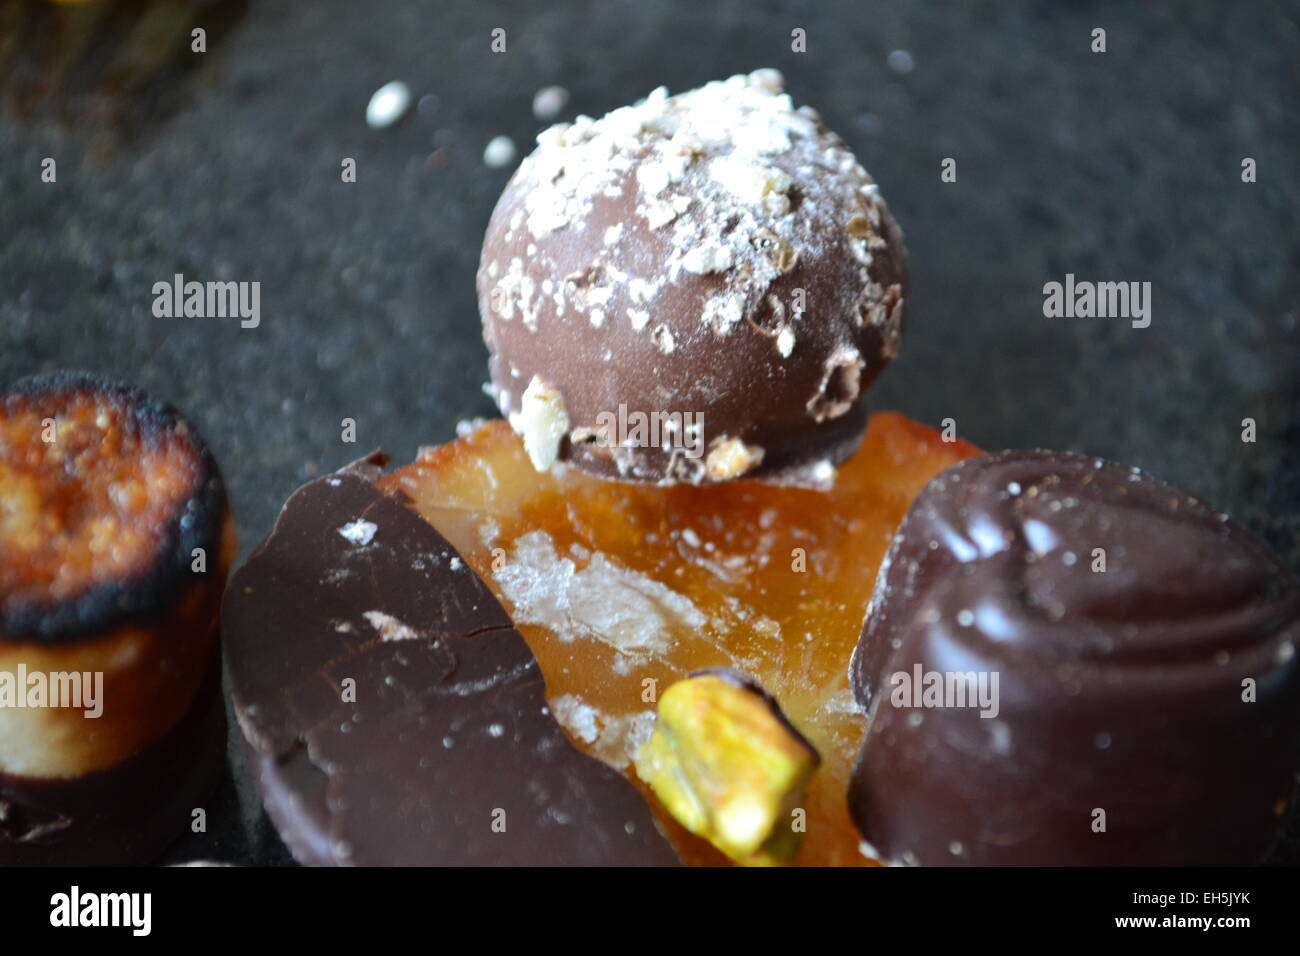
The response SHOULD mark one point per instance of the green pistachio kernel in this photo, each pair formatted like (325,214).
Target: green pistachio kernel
(729,767)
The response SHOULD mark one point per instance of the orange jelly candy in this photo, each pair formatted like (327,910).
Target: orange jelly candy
(623,589)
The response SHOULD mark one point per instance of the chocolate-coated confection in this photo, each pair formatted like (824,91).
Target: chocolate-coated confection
(115,540)
(716,253)
(1148,697)
(392,713)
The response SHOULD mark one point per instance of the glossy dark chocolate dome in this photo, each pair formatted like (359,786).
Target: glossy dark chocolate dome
(1148,695)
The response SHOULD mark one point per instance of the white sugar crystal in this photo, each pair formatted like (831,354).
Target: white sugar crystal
(900,61)
(359,532)
(653,178)
(723,311)
(658,173)
(761,139)
(745,180)
(549,102)
(640,291)
(768,80)
(388,104)
(785,341)
(663,339)
(778,204)
(546,219)
(709,257)
(624,125)
(578,718)
(390,628)
(499,152)
(661,213)
(629,611)
(843,702)
(622,737)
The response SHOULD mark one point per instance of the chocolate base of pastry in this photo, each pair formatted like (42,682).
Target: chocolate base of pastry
(127,815)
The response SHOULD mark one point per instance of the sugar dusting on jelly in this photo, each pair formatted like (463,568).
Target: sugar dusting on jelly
(629,611)
(615,740)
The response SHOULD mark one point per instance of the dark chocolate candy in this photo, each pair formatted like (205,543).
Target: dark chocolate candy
(1121,733)
(449,754)
(717,253)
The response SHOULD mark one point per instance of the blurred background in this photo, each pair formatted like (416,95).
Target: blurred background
(225,165)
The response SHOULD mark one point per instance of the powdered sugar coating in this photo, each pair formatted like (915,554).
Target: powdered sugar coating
(706,242)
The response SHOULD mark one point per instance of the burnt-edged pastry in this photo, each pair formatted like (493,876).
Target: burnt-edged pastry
(115,541)
(718,256)
(1069,662)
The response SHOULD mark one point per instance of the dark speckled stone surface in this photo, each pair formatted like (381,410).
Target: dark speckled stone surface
(1117,166)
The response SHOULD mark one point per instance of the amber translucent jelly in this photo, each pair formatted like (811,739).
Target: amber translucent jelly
(622,589)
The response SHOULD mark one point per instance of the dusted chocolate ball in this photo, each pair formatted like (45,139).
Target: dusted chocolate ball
(1068,662)
(694,288)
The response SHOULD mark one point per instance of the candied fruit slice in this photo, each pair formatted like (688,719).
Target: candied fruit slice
(622,590)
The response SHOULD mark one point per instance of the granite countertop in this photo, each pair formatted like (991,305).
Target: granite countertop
(1116,166)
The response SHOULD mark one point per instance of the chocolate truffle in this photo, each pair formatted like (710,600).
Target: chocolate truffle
(1128,660)
(115,539)
(693,288)
(391,712)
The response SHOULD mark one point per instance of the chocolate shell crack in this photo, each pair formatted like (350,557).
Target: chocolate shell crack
(393,713)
